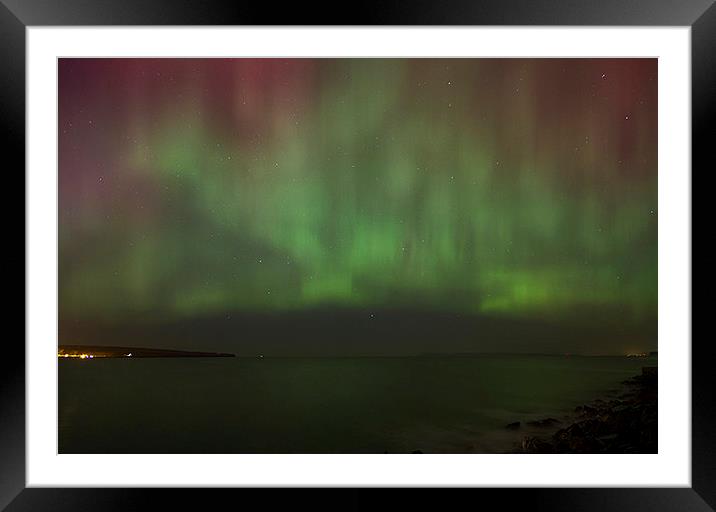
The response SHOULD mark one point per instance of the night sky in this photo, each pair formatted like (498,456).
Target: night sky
(359,206)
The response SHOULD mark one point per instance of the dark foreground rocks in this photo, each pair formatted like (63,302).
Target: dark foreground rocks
(624,425)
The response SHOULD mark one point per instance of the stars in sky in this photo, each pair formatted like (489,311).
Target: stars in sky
(357,182)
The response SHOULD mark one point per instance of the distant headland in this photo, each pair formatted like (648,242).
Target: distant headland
(99,352)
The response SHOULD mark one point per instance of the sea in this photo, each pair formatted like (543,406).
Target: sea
(430,404)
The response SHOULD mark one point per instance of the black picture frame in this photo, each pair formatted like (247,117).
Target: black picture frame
(17,15)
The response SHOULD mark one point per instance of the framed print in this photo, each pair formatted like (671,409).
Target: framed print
(445,246)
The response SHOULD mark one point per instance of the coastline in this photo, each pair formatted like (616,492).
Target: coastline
(626,424)
(457,406)
(116,352)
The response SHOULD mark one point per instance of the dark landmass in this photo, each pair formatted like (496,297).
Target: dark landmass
(627,424)
(125,352)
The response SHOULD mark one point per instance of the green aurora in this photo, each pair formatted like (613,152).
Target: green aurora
(519,188)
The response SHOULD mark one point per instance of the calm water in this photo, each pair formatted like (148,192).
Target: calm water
(344,405)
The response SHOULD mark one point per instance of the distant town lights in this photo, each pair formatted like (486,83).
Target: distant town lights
(84,355)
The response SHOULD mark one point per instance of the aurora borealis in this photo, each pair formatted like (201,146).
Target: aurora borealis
(227,195)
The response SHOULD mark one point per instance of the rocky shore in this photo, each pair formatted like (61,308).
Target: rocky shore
(627,424)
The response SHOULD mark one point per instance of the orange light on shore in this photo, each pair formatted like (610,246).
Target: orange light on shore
(78,356)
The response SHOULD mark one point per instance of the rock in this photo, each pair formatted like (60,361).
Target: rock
(585,410)
(536,445)
(627,424)
(513,426)
(608,438)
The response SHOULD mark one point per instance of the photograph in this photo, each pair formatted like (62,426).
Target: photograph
(357,255)
(423,245)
